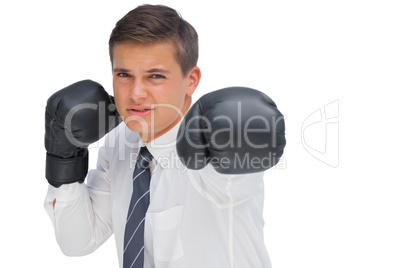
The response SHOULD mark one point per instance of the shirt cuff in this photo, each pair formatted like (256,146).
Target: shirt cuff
(64,194)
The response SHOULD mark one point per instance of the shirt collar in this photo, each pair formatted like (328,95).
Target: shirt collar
(163,148)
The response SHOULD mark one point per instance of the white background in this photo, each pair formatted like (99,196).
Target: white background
(303,54)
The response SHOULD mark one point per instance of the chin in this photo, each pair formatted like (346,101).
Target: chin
(143,130)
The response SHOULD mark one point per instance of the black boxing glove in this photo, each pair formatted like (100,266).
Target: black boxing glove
(237,130)
(75,117)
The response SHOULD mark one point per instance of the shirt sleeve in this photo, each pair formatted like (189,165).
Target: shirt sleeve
(82,217)
(228,189)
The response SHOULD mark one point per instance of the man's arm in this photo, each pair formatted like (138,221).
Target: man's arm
(77,116)
(233,135)
(81,213)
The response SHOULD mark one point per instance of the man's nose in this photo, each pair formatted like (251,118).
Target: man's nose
(138,89)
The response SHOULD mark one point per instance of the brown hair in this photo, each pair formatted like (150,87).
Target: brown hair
(157,24)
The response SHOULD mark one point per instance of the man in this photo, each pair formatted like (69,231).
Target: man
(201,205)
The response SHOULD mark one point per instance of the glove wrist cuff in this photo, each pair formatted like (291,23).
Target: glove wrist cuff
(66,170)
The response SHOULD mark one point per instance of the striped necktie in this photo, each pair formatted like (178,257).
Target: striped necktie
(133,256)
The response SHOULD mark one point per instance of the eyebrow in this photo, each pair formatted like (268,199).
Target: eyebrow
(120,70)
(153,70)
(158,70)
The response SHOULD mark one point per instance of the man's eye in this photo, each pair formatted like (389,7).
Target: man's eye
(157,76)
(122,75)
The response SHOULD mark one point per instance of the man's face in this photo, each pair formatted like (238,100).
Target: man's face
(150,91)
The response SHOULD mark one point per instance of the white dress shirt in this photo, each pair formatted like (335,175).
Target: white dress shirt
(196,218)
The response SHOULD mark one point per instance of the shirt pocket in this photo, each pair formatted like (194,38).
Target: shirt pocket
(167,244)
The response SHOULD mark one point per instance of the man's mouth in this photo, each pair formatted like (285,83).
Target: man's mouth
(139,111)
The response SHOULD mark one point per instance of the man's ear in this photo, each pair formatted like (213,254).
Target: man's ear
(194,77)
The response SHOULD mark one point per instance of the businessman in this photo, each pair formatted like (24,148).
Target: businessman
(179,184)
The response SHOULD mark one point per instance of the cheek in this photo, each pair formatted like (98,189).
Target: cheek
(120,90)
(169,111)
(118,94)
(116,88)
(175,94)
(171,104)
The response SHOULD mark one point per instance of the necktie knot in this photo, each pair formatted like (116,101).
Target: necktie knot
(144,158)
